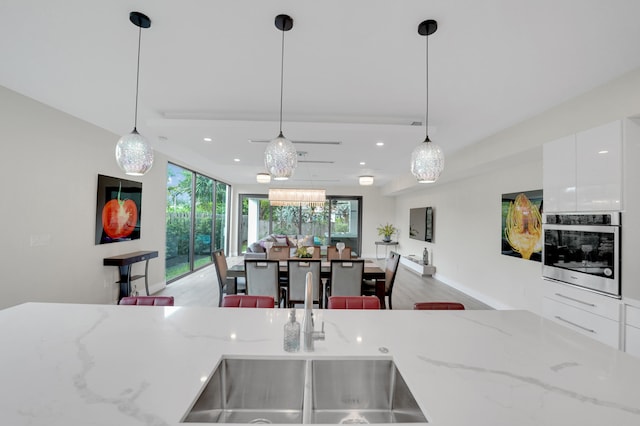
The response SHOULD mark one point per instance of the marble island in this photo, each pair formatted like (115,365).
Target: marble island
(67,364)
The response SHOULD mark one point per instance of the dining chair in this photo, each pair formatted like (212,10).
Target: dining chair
(390,272)
(247,301)
(353,302)
(226,285)
(446,306)
(263,279)
(333,253)
(147,300)
(345,278)
(279,253)
(297,271)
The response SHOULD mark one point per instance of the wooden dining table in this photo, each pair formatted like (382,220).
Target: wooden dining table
(371,272)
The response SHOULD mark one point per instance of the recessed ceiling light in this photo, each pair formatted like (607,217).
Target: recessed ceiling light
(380,143)
(603,152)
(362,163)
(207,139)
(237,160)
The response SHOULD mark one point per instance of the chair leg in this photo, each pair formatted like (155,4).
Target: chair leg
(390,306)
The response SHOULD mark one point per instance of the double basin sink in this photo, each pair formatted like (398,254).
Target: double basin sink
(305,391)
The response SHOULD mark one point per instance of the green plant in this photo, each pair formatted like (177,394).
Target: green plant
(386,230)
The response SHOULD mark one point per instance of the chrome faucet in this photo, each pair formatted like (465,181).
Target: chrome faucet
(308,328)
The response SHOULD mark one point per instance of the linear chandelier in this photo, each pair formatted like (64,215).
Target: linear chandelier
(297,197)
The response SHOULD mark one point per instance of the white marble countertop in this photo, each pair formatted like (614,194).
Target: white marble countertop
(65,364)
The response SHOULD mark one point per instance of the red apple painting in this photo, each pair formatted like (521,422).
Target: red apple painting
(117,210)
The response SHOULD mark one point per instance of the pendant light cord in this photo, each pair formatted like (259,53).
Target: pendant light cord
(426,118)
(135,119)
(281,79)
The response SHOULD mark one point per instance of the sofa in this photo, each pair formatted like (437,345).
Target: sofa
(281,241)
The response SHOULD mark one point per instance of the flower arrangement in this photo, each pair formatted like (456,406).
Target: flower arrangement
(386,231)
(304,252)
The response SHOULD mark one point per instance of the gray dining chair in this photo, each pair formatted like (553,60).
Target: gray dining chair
(263,279)
(345,278)
(390,272)
(226,285)
(297,271)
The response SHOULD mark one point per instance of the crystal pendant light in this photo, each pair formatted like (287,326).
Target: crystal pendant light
(134,154)
(280,157)
(427,159)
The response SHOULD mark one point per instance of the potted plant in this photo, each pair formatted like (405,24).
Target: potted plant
(386,231)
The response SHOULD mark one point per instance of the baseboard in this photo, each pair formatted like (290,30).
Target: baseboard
(495,304)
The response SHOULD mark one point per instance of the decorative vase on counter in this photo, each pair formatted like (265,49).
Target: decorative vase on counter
(425,256)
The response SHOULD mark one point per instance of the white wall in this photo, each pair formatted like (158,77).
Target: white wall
(466,251)
(48,173)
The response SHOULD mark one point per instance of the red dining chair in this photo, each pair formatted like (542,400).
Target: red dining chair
(247,301)
(446,306)
(354,302)
(147,300)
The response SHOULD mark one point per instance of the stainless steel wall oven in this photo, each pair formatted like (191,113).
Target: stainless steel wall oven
(583,249)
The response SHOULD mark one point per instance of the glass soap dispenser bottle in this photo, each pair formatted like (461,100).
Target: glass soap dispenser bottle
(292,333)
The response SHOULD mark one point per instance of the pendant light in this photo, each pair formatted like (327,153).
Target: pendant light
(427,159)
(134,154)
(280,157)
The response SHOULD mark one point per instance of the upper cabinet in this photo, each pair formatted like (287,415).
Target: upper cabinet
(583,172)
(599,168)
(559,175)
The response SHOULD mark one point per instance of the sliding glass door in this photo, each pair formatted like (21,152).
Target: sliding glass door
(338,220)
(195,225)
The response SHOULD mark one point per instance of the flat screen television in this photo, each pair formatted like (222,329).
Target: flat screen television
(421,224)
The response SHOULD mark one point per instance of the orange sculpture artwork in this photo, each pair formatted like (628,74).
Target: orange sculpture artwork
(523,227)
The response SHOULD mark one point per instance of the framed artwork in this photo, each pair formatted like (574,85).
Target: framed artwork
(118,210)
(522,225)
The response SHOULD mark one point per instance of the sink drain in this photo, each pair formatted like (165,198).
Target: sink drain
(260,421)
(354,419)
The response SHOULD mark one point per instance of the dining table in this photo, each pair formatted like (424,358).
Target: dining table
(372,271)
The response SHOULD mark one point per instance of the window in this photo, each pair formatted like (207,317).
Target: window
(195,226)
(338,220)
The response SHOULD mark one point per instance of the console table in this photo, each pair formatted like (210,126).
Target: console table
(385,244)
(124,262)
(417,265)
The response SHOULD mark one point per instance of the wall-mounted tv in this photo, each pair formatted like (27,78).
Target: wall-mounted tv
(421,224)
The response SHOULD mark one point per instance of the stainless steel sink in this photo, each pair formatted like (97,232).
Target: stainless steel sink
(361,391)
(252,391)
(286,390)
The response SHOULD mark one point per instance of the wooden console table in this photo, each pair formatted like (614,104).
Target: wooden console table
(124,262)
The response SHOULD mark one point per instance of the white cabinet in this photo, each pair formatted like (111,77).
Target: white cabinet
(416,265)
(599,168)
(585,312)
(632,330)
(583,172)
(559,174)
(630,229)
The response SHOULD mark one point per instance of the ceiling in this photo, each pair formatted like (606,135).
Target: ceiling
(354,73)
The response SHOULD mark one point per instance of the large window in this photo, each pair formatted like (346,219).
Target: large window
(338,220)
(195,224)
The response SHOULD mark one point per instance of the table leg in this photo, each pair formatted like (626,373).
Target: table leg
(146,276)
(125,281)
(380,292)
